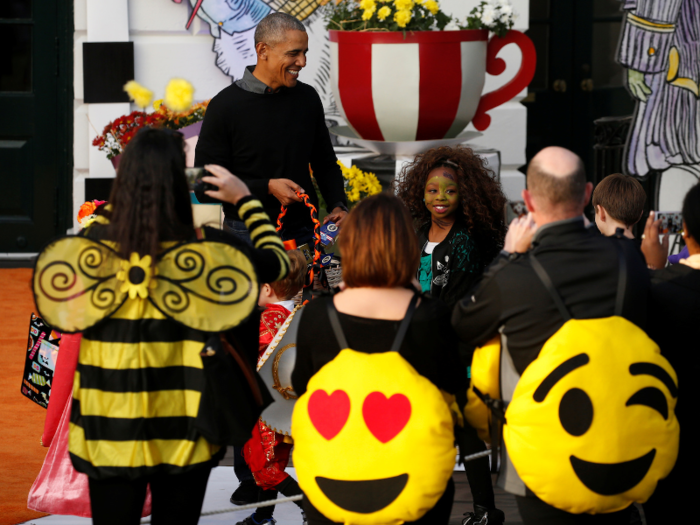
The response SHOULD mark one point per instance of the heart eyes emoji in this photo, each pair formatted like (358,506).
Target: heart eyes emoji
(384,417)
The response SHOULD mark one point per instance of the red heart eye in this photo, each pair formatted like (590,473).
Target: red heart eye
(329,413)
(385,418)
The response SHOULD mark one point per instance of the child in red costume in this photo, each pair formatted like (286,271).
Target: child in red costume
(267,452)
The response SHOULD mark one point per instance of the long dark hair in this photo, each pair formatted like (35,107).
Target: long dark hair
(481,196)
(150,201)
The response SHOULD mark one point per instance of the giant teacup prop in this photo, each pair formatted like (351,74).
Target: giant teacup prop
(424,85)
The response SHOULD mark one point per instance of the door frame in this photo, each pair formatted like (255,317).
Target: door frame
(65,99)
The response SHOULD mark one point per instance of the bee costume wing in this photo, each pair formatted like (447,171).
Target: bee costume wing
(75,283)
(207,285)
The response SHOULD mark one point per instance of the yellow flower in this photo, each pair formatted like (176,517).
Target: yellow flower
(179,94)
(432,6)
(367,13)
(136,274)
(383,13)
(402,17)
(403,5)
(157,104)
(368,5)
(139,94)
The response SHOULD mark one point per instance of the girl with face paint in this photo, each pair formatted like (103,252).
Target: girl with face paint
(457,208)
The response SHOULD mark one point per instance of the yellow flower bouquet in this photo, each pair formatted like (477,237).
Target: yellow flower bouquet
(359,184)
(385,15)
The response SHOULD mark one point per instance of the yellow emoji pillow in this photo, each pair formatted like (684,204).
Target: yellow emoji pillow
(485,377)
(374,442)
(591,427)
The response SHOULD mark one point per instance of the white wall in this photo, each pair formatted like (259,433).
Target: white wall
(164,49)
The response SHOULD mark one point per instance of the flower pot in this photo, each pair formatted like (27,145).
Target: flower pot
(115,161)
(424,85)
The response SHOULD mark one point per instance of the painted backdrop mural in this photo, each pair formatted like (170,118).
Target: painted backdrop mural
(660,46)
(232,24)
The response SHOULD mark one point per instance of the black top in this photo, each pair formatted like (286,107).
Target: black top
(583,267)
(674,310)
(430,345)
(457,262)
(260,137)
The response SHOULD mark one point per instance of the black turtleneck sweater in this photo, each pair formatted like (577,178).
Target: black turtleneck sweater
(259,137)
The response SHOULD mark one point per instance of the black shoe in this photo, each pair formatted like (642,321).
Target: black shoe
(484,516)
(251,521)
(246,493)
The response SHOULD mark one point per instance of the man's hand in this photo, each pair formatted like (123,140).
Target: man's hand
(520,234)
(337,216)
(638,88)
(284,190)
(231,188)
(654,248)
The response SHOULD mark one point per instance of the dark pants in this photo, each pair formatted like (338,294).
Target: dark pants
(288,487)
(176,499)
(237,229)
(240,467)
(438,515)
(477,470)
(534,511)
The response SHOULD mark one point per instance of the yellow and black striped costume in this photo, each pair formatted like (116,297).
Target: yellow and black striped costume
(139,378)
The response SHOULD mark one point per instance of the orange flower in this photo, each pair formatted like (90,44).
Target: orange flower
(86,209)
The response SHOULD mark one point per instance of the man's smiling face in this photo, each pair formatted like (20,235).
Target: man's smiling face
(280,63)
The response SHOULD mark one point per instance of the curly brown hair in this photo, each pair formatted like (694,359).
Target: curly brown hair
(482,199)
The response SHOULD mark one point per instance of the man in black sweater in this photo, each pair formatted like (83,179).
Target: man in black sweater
(268,127)
(512,301)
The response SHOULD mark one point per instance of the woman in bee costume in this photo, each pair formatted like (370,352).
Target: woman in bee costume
(147,291)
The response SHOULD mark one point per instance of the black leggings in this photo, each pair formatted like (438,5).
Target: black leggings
(176,499)
(477,470)
(288,487)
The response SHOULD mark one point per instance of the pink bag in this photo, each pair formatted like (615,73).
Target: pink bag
(59,488)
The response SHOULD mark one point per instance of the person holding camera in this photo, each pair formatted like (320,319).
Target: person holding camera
(268,128)
(145,293)
(512,303)
(674,307)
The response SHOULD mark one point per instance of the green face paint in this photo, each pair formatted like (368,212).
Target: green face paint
(442,193)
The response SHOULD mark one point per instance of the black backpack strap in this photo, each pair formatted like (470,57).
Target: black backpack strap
(403,328)
(622,279)
(549,285)
(335,324)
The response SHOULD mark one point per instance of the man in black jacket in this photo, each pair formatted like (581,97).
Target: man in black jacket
(268,128)
(512,301)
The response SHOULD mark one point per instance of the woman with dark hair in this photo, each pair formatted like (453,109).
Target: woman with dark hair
(145,322)
(380,264)
(674,308)
(458,210)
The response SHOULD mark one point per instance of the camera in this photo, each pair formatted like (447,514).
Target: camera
(195,182)
(671,221)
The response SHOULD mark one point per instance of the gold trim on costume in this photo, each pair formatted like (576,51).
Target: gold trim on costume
(280,334)
(648,25)
(674,61)
(285,391)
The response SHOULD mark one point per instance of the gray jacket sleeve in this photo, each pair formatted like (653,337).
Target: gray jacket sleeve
(647,34)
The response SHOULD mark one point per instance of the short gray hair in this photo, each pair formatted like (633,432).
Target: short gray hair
(272,28)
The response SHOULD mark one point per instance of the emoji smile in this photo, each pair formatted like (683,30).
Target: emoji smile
(610,479)
(363,496)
